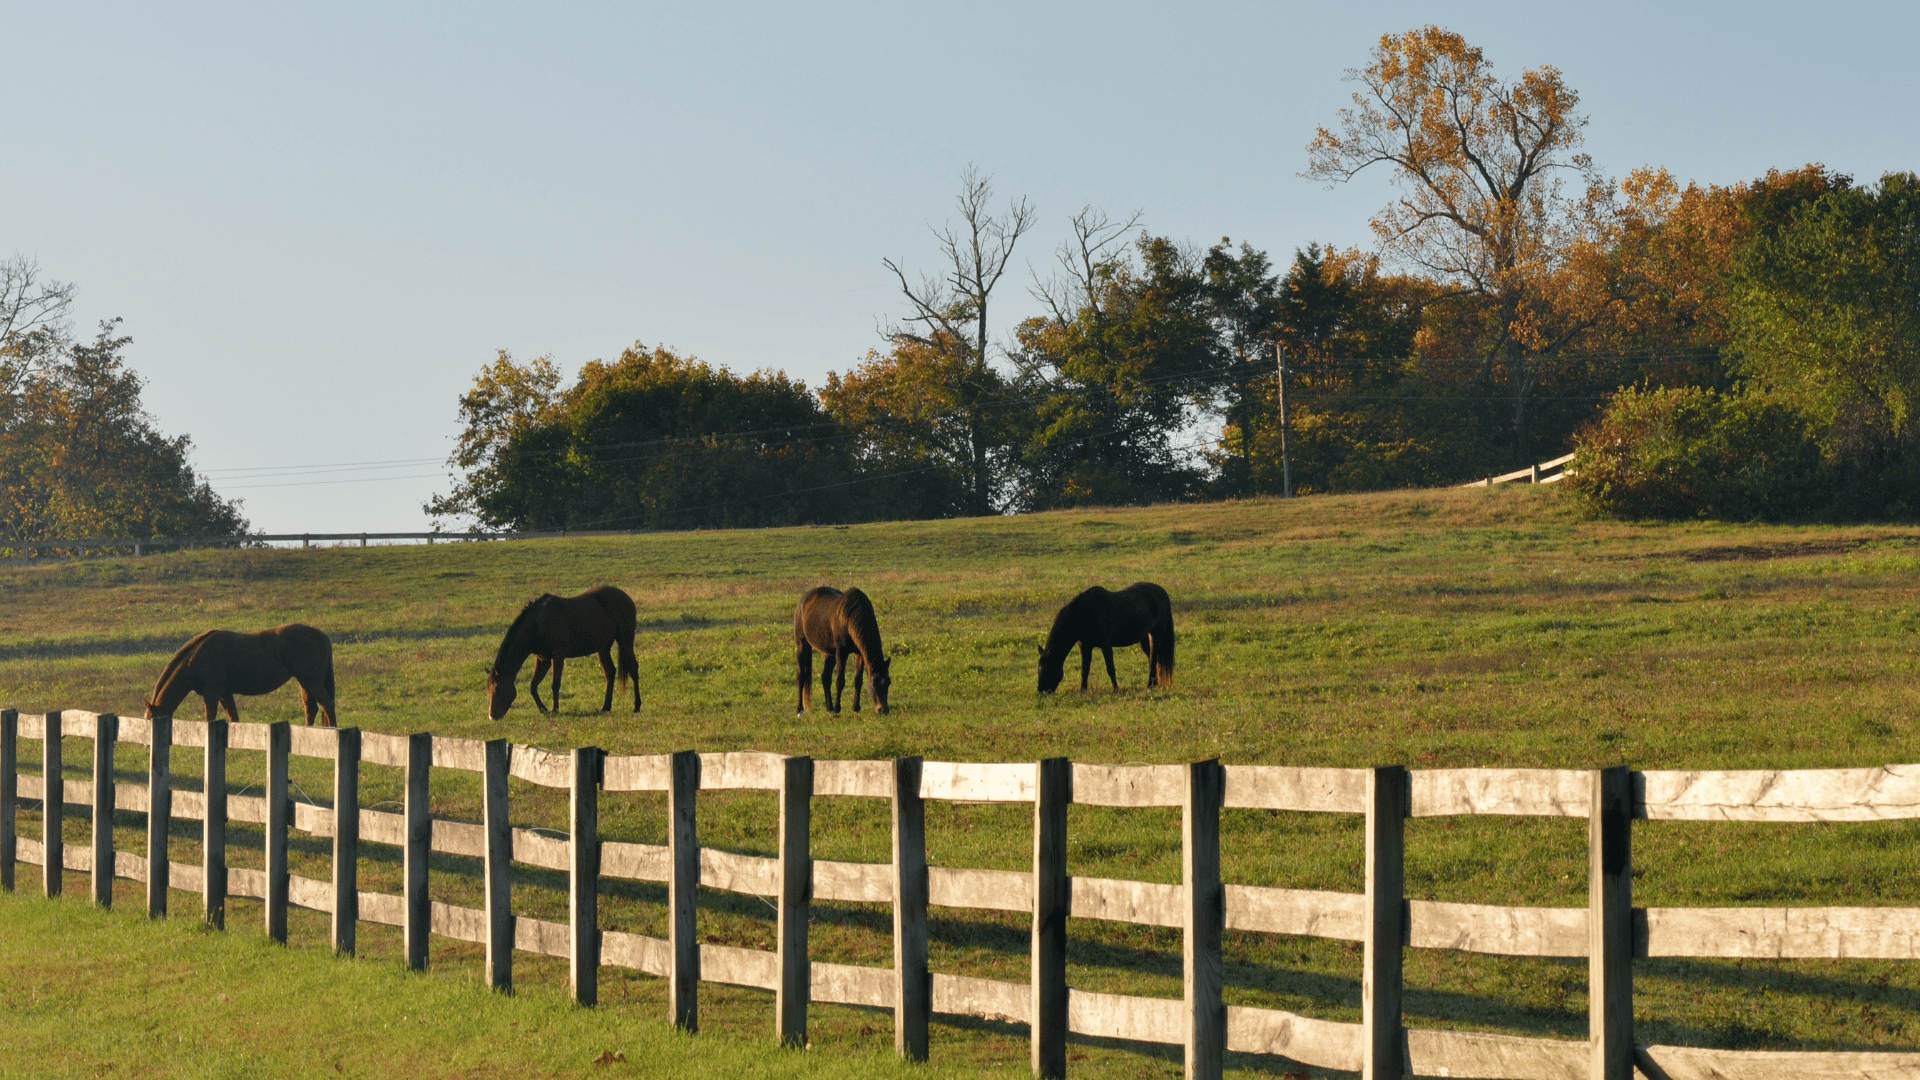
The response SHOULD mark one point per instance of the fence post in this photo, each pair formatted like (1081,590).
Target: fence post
(213,828)
(1610,924)
(9,793)
(683,877)
(106,732)
(346,839)
(499,869)
(583,874)
(279,810)
(159,813)
(1381,975)
(1206,912)
(53,806)
(1053,790)
(796,898)
(912,998)
(419,829)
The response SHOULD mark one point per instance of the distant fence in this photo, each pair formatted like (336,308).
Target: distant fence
(142,547)
(1610,932)
(1547,472)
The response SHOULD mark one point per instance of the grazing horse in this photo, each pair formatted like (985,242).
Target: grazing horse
(842,626)
(553,628)
(221,663)
(1139,614)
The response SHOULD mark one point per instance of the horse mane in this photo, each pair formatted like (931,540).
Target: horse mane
(171,674)
(520,621)
(1067,625)
(863,626)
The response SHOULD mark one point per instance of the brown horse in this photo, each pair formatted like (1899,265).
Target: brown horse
(553,628)
(220,663)
(843,627)
(1140,614)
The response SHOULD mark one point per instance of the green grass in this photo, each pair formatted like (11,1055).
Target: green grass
(1437,628)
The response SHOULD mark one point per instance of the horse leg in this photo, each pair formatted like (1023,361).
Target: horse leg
(233,710)
(830,662)
(1106,652)
(559,665)
(540,666)
(859,676)
(606,665)
(803,663)
(213,706)
(1153,670)
(1086,664)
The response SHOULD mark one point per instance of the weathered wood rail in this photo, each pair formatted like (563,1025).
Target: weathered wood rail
(1609,932)
(1547,472)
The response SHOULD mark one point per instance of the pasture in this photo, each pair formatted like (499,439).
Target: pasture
(1436,628)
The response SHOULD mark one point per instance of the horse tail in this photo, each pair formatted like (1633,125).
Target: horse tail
(626,622)
(1163,652)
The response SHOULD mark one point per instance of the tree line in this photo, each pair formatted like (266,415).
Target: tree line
(79,455)
(1516,301)
(1746,350)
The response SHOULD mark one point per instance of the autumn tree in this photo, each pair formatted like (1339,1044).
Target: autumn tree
(81,457)
(1482,166)
(947,316)
(911,430)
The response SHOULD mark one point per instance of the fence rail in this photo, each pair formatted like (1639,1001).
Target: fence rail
(1609,932)
(1547,472)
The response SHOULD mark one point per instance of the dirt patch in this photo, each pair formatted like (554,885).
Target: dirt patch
(1789,549)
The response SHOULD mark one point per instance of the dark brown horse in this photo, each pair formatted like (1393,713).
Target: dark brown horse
(553,628)
(1139,614)
(220,663)
(843,627)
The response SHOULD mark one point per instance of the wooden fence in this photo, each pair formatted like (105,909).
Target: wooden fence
(1547,472)
(1610,932)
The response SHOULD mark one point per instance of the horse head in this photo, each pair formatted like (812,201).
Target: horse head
(500,694)
(1051,674)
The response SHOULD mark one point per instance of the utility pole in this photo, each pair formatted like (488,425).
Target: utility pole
(1286,452)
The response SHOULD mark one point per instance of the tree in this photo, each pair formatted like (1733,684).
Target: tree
(1128,358)
(910,432)
(1481,166)
(33,314)
(1827,316)
(649,440)
(949,317)
(80,457)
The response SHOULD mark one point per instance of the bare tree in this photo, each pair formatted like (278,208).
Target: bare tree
(949,310)
(33,314)
(1097,245)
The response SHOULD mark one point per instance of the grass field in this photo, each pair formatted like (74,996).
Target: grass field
(1437,628)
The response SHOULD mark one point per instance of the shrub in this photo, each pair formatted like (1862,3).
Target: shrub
(1687,452)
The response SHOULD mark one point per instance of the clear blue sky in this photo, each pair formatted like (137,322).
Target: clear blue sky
(319,222)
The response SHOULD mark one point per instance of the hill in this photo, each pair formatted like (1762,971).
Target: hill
(1461,627)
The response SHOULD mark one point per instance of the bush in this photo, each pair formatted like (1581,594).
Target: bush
(1687,452)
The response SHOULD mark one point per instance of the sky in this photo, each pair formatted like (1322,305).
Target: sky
(319,222)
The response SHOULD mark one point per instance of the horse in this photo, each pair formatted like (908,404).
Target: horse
(221,663)
(553,628)
(840,625)
(1140,614)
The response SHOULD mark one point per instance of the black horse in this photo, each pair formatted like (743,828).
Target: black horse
(843,627)
(1140,614)
(553,628)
